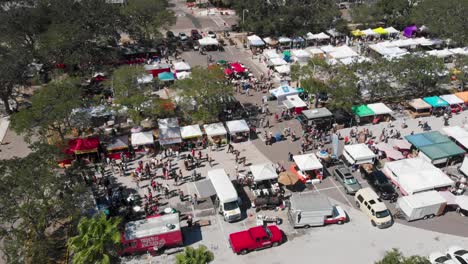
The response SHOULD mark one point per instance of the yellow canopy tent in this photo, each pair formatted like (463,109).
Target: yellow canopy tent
(357,33)
(380,31)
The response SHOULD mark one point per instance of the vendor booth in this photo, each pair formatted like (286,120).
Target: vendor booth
(321,118)
(315,52)
(315,39)
(274,62)
(87,148)
(358,154)
(157,68)
(285,42)
(166,76)
(283,69)
(271,54)
(265,179)
(169,132)
(142,140)
(255,42)
(192,134)
(458,134)
(307,167)
(392,32)
(208,44)
(456,104)
(216,133)
(181,66)
(301,56)
(416,175)
(381,112)
(363,114)
(438,105)
(463,96)
(239,130)
(282,92)
(419,108)
(294,103)
(118,146)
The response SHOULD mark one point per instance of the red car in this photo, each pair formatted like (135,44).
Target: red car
(255,238)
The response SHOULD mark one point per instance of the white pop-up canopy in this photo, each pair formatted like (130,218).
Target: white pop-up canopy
(369,32)
(358,154)
(293,101)
(392,30)
(460,51)
(281,92)
(459,134)
(237,126)
(452,99)
(181,66)
(255,40)
(283,69)
(342,52)
(380,109)
(300,53)
(208,41)
(284,40)
(270,54)
(416,175)
(276,62)
(440,53)
(314,50)
(307,162)
(215,129)
(142,138)
(147,78)
(263,172)
(320,35)
(192,131)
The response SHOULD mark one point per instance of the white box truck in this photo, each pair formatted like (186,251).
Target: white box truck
(227,196)
(422,205)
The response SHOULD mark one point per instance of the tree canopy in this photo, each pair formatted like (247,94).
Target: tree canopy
(200,255)
(394,256)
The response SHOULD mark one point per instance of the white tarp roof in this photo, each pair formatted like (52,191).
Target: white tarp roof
(464,166)
(262,172)
(284,40)
(458,134)
(277,62)
(391,30)
(168,122)
(283,69)
(215,129)
(255,40)
(147,78)
(352,60)
(440,53)
(328,48)
(270,54)
(237,126)
(142,138)
(369,32)
(460,51)
(385,50)
(314,50)
(359,152)
(416,175)
(181,66)
(223,185)
(451,99)
(307,162)
(208,41)
(294,101)
(462,201)
(283,91)
(190,131)
(343,52)
(300,53)
(380,109)
(183,75)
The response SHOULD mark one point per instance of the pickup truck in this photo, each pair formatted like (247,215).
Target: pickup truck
(255,238)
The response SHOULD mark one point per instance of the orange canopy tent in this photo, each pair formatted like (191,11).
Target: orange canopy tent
(463,96)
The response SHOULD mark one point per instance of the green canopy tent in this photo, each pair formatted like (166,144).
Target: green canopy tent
(435,146)
(362,111)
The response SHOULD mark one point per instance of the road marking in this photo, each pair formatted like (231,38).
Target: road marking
(221,227)
(342,194)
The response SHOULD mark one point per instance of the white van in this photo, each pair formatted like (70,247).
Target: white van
(369,202)
(227,195)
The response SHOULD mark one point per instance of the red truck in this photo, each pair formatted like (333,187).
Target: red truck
(152,234)
(255,238)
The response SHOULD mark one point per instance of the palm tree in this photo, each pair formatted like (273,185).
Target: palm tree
(97,240)
(201,255)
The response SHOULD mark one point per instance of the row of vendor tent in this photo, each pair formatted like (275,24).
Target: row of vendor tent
(371,110)
(439,101)
(163,72)
(375,32)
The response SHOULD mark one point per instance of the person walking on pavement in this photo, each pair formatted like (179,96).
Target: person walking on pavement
(195,199)
(290,156)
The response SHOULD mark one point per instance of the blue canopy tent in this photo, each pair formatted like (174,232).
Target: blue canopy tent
(166,76)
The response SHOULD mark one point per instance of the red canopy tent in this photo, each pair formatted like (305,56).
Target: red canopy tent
(228,71)
(237,67)
(83,145)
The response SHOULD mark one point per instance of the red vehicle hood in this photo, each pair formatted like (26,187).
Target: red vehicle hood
(240,240)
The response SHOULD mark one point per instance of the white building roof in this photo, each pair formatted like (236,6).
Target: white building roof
(181,66)
(262,172)
(451,99)
(237,126)
(190,131)
(458,134)
(152,226)
(307,162)
(223,185)
(215,129)
(142,138)
(359,151)
(416,175)
(380,109)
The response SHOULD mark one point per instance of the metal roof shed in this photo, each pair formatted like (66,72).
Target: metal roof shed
(317,113)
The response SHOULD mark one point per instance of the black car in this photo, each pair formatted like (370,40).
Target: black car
(195,34)
(381,185)
(170,35)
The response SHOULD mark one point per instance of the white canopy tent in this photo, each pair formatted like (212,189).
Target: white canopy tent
(192,131)
(255,41)
(283,69)
(320,36)
(208,41)
(293,101)
(358,154)
(369,32)
(215,129)
(416,175)
(452,99)
(270,54)
(440,53)
(313,51)
(142,138)
(237,126)
(300,55)
(263,172)
(183,75)
(328,48)
(181,66)
(380,109)
(352,60)
(276,62)
(147,78)
(464,166)
(459,134)
(460,51)
(307,162)
(282,92)
(342,52)
(388,50)
(392,30)
(284,40)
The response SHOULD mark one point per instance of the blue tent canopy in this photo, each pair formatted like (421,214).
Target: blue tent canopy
(166,76)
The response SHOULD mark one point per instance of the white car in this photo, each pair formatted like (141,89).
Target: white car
(183,36)
(439,258)
(459,254)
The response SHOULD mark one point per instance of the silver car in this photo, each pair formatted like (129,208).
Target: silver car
(343,175)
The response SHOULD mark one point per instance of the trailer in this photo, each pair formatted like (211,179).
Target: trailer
(422,205)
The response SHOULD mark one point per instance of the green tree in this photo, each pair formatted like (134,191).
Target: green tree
(35,203)
(444,19)
(201,255)
(396,13)
(394,256)
(343,88)
(145,19)
(97,240)
(461,70)
(204,94)
(51,110)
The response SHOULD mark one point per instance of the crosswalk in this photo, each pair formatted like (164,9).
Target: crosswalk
(218,21)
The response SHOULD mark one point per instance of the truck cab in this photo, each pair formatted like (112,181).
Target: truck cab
(255,238)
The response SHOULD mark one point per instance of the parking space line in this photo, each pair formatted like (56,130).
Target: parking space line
(222,228)
(342,194)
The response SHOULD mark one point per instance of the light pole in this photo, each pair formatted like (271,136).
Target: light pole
(243,15)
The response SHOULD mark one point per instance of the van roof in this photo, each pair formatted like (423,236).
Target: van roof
(222,185)
(370,195)
(152,226)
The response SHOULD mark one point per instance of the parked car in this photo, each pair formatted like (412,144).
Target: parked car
(211,34)
(380,184)
(183,36)
(439,258)
(170,35)
(459,254)
(195,34)
(369,203)
(344,176)
(255,238)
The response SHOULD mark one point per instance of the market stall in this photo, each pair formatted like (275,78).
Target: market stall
(458,134)
(283,69)
(166,76)
(192,134)
(239,130)
(265,179)
(381,112)
(320,118)
(271,54)
(463,96)
(85,148)
(358,154)
(315,52)
(255,42)
(285,42)
(301,56)
(363,114)
(316,39)
(456,104)
(419,108)
(216,133)
(271,42)
(438,105)
(282,92)
(392,32)
(169,132)
(294,103)
(117,147)
(157,68)
(142,140)
(208,43)
(275,62)
(416,175)
(181,66)
(307,167)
